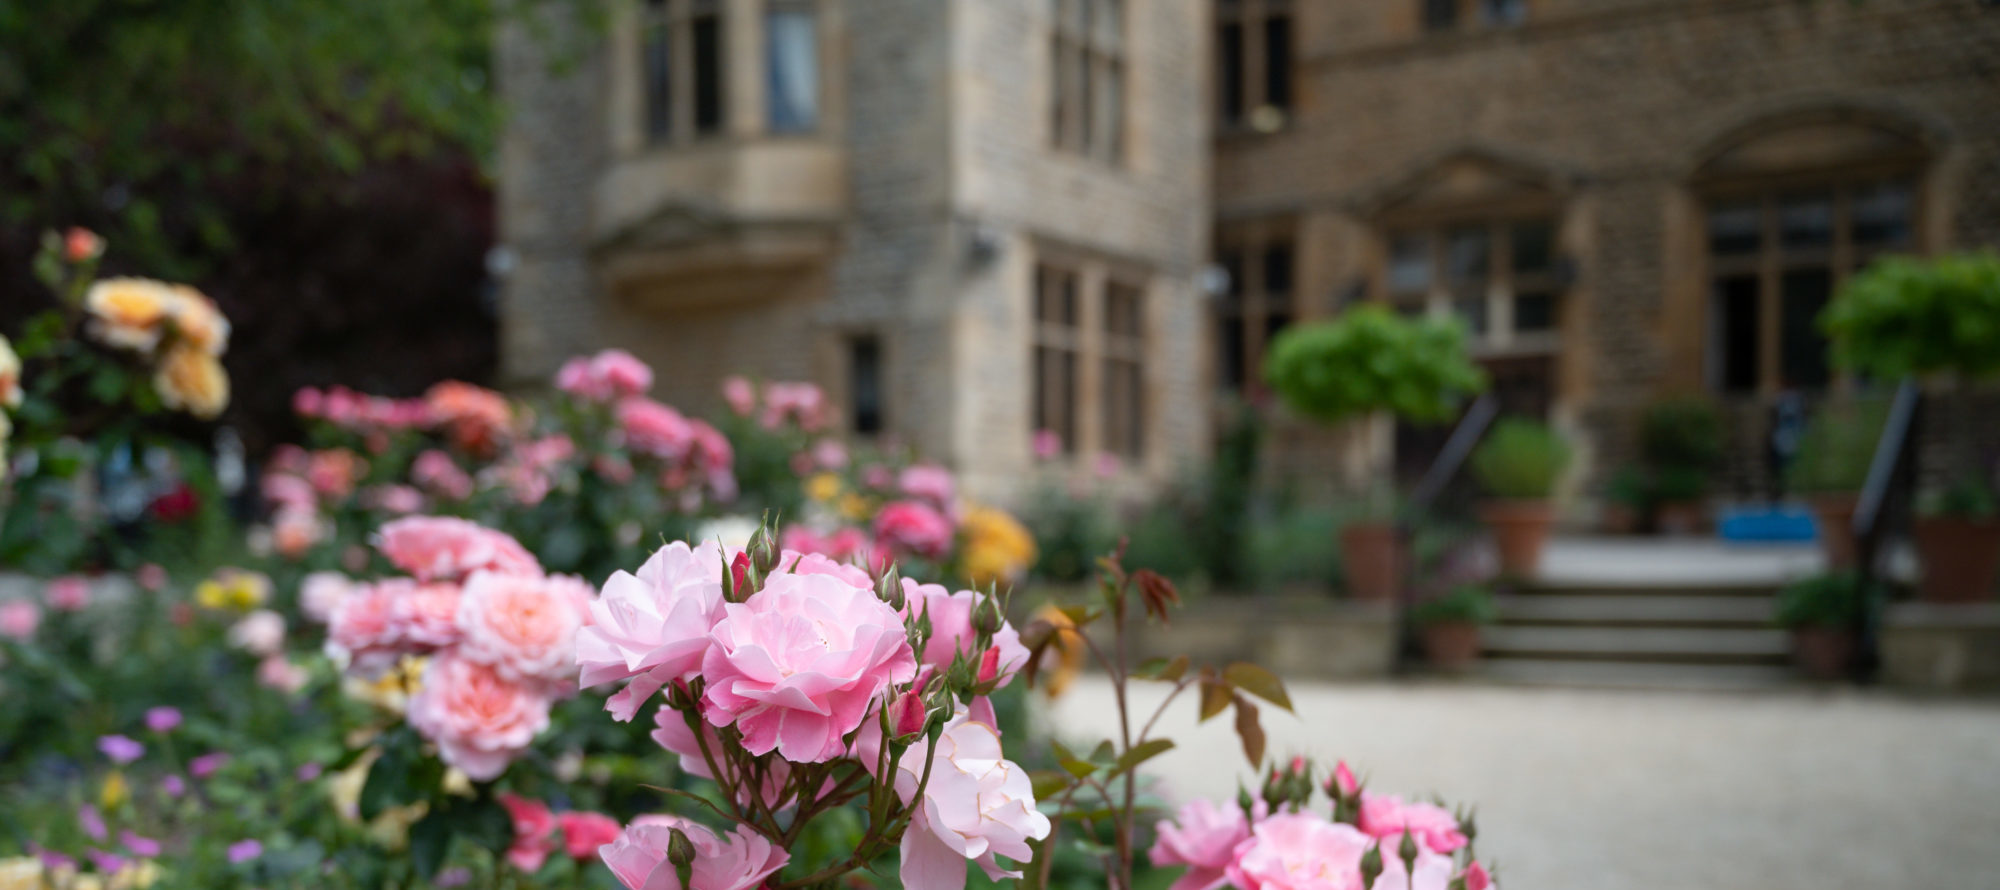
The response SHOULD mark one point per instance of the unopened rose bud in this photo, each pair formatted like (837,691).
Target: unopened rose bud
(1371,865)
(763,552)
(1477,878)
(1343,782)
(81,245)
(1248,804)
(907,716)
(1157,593)
(989,666)
(739,576)
(1407,850)
(889,588)
(681,852)
(986,617)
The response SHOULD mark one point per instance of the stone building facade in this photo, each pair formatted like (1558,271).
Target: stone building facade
(969,220)
(1622,198)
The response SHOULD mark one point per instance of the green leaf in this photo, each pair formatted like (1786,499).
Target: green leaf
(1071,763)
(1258,682)
(1104,754)
(1162,669)
(1048,783)
(1139,754)
(430,839)
(1214,698)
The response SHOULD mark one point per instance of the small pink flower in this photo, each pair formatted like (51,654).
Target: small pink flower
(424,615)
(928,482)
(952,633)
(534,831)
(655,429)
(584,832)
(1301,851)
(907,714)
(800,664)
(652,627)
(69,593)
(741,395)
(333,472)
(321,592)
(436,472)
(913,528)
(740,860)
(81,245)
(830,454)
(308,402)
(259,633)
(163,719)
(120,749)
(290,492)
(138,845)
(244,850)
(1047,444)
(1203,837)
(399,500)
(92,822)
(1387,816)
(524,627)
(479,720)
(623,375)
(445,548)
(151,577)
(1477,877)
(1343,780)
(294,531)
(279,673)
(19,619)
(204,766)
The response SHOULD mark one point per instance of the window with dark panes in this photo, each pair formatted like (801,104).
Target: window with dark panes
(707,68)
(1087,78)
(1501,13)
(864,383)
(1440,15)
(1261,264)
(1450,15)
(1776,258)
(1124,353)
(791,66)
(1058,341)
(656,50)
(1498,277)
(682,66)
(1254,58)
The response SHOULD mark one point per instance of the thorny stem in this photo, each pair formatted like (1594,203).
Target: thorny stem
(866,849)
(1162,709)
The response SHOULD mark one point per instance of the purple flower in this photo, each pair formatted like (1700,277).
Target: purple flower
(107,863)
(173,786)
(204,766)
(453,877)
(308,772)
(142,847)
(245,850)
(120,749)
(163,719)
(91,822)
(51,860)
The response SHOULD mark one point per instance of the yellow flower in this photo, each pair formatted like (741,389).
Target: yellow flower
(115,792)
(191,380)
(21,873)
(129,313)
(233,588)
(196,319)
(997,547)
(855,508)
(391,692)
(1066,648)
(135,876)
(823,487)
(10,379)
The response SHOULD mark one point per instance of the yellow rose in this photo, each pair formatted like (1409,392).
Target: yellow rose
(21,873)
(823,487)
(115,792)
(196,320)
(233,588)
(135,876)
(855,507)
(191,380)
(997,547)
(10,378)
(129,312)
(1066,649)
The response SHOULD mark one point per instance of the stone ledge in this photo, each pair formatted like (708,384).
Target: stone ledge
(1942,646)
(1299,639)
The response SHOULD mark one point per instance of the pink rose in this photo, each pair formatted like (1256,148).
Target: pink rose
(425,615)
(928,482)
(69,593)
(741,395)
(801,403)
(363,631)
(623,375)
(479,720)
(800,664)
(1387,816)
(151,577)
(819,564)
(534,831)
(524,626)
(321,592)
(445,548)
(259,633)
(574,377)
(308,402)
(1204,838)
(711,448)
(294,531)
(952,633)
(978,805)
(1343,780)
(913,528)
(19,619)
(333,472)
(654,626)
(1302,851)
(1047,444)
(740,860)
(436,472)
(830,454)
(289,492)
(655,429)
(584,832)
(397,499)
(279,673)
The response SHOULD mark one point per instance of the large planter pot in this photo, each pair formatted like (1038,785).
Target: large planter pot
(1681,518)
(1520,531)
(1371,559)
(1833,518)
(1451,645)
(1620,519)
(1822,653)
(1960,557)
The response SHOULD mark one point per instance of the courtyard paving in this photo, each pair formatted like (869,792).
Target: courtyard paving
(1589,790)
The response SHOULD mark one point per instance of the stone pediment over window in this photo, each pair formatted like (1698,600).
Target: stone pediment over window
(1471,181)
(1814,142)
(685,257)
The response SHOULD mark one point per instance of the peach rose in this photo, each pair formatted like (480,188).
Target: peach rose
(196,320)
(128,313)
(191,380)
(524,626)
(10,375)
(478,719)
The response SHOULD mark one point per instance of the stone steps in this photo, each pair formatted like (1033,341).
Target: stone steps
(1638,644)
(1625,610)
(1635,675)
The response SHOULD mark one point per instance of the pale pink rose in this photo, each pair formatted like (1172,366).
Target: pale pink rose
(741,395)
(445,548)
(1047,444)
(574,377)
(801,403)
(1302,851)
(425,615)
(830,454)
(479,720)
(294,531)
(19,619)
(333,472)
(652,627)
(69,593)
(1433,872)
(289,492)
(913,528)
(584,832)
(1343,780)
(818,564)
(363,631)
(259,633)
(978,805)
(437,473)
(1388,816)
(534,831)
(740,860)
(524,626)
(799,665)
(655,429)
(952,633)
(308,402)
(623,374)
(279,673)
(1203,837)
(321,592)
(151,577)
(397,499)
(928,482)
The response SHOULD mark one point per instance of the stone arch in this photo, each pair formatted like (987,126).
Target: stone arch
(1817,138)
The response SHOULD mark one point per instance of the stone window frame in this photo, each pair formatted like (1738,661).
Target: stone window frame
(1076,350)
(1123,369)
(1089,78)
(745,65)
(1255,73)
(1495,330)
(674,22)
(1455,16)
(1248,304)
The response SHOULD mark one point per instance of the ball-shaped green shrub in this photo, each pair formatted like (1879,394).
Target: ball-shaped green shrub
(1520,459)
(1837,447)
(1370,359)
(1905,316)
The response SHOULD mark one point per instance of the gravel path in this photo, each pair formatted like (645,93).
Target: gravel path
(1582,790)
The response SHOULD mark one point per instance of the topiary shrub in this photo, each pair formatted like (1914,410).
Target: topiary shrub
(1904,316)
(1521,459)
(1837,447)
(1371,359)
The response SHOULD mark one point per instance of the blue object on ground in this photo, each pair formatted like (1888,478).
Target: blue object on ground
(1763,522)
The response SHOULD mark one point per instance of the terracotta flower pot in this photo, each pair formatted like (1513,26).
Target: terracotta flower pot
(1520,530)
(1371,560)
(1619,519)
(1681,518)
(1960,557)
(1833,517)
(1822,653)
(1451,645)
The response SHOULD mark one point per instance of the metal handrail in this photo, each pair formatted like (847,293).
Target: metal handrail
(1893,462)
(1450,459)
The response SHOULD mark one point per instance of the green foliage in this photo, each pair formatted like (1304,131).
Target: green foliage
(1371,359)
(1966,498)
(1465,604)
(1294,547)
(1905,316)
(1682,432)
(1837,447)
(1835,600)
(1521,458)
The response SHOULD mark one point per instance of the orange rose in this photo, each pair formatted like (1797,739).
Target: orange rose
(191,380)
(129,312)
(197,321)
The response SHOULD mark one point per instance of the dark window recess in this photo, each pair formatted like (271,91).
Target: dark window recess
(707,74)
(1533,248)
(1230,45)
(1278,269)
(1735,230)
(1503,13)
(865,383)
(1736,311)
(1229,353)
(1473,311)
(1882,216)
(1801,346)
(1806,221)
(659,83)
(1468,253)
(1440,15)
(1534,312)
(1278,61)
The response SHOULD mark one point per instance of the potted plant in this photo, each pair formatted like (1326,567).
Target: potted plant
(1821,612)
(1627,501)
(1681,444)
(1830,468)
(1935,320)
(1449,625)
(1364,364)
(1519,465)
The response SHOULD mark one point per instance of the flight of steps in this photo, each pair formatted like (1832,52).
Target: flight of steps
(1687,635)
